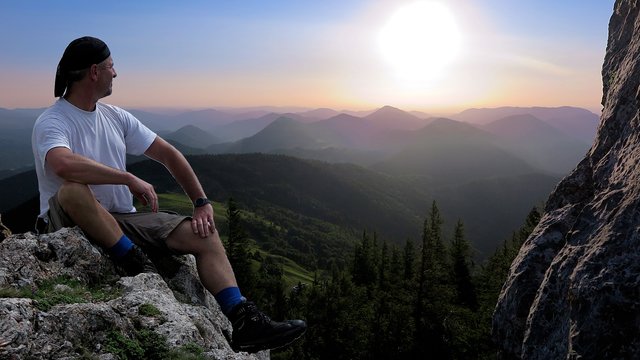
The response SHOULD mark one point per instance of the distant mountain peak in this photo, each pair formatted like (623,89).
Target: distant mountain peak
(193,136)
(394,118)
(343,117)
(319,114)
(389,109)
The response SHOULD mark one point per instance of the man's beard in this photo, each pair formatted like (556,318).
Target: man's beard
(108,91)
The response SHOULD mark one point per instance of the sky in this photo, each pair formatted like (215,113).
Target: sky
(340,54)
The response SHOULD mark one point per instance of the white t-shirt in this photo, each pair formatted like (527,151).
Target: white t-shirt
(105,135)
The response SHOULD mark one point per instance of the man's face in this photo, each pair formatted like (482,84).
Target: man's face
(106,73)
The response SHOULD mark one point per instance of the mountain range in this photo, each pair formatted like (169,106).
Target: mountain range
(486,166)
(380,131)
(573,121)
(512,145)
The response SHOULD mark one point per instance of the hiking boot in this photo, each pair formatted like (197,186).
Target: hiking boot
(254,331)
(135,262)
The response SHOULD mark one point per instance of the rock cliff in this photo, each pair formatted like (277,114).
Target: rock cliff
(574,289)
(60,298)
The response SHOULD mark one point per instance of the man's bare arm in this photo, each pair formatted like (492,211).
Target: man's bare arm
(179,167)
(77,168)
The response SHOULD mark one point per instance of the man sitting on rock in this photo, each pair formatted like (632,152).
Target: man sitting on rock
(80,147)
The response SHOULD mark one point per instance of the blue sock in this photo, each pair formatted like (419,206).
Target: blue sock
(121,248)
(228,298)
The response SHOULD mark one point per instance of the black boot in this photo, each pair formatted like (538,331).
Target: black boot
(135,262)
(254,331)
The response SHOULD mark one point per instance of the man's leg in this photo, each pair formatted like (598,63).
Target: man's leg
(78,203)
(213,265)
(252,330)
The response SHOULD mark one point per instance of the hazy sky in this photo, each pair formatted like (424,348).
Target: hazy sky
(327,53)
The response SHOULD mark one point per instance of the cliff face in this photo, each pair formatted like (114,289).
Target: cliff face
(60,298)
(574,289)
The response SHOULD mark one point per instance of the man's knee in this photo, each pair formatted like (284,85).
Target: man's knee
(72,194)
(209,244)
(187,241)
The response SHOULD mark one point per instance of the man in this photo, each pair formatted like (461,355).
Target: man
(80,148)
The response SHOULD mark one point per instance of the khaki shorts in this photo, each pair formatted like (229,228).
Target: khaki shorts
(143,228)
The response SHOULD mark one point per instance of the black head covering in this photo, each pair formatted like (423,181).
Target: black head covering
(79,54)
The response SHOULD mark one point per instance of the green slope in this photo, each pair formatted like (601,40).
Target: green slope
(180,203)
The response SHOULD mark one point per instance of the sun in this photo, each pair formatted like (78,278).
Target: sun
(420,40)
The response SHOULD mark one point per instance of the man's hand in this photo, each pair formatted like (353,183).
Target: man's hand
(144,192)
(202,222)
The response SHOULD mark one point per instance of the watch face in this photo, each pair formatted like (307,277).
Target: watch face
(201,202)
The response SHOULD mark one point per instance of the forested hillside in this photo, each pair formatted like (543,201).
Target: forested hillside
(357,199)
(419,300)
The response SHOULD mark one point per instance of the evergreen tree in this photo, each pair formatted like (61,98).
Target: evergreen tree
(272,288)
(384,268)
(340,317)
(421,293)
(238,250)
(364,269)
(375,257)
(461,260)
(393,328)
(433,292)
(396,273)
(532,220)
(409,260)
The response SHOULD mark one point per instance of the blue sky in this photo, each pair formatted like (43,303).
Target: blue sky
(308,53)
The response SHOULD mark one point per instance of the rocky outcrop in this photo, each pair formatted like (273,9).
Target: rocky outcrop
(89,311)
(574,289)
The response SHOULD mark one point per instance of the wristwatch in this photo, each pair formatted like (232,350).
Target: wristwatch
(199,202)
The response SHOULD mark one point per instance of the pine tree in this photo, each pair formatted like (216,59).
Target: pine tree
(392,328)
(409,260)
(364,269)
(532,220)
(238,250)
(396,273)
(421,293)
(384,267)
(433,291)
(272,286)
(461,260)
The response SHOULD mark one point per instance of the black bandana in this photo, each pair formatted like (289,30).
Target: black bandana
(80,54)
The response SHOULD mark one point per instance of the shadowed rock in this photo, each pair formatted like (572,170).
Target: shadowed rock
(574,289)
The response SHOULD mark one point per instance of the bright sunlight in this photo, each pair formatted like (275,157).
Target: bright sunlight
(420,40)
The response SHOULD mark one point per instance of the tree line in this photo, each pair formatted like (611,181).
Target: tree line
(424,300)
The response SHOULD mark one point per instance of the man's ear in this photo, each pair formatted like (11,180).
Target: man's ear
(93,72)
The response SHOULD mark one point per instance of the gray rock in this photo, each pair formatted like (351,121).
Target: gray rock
(574,289)
(184,312)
